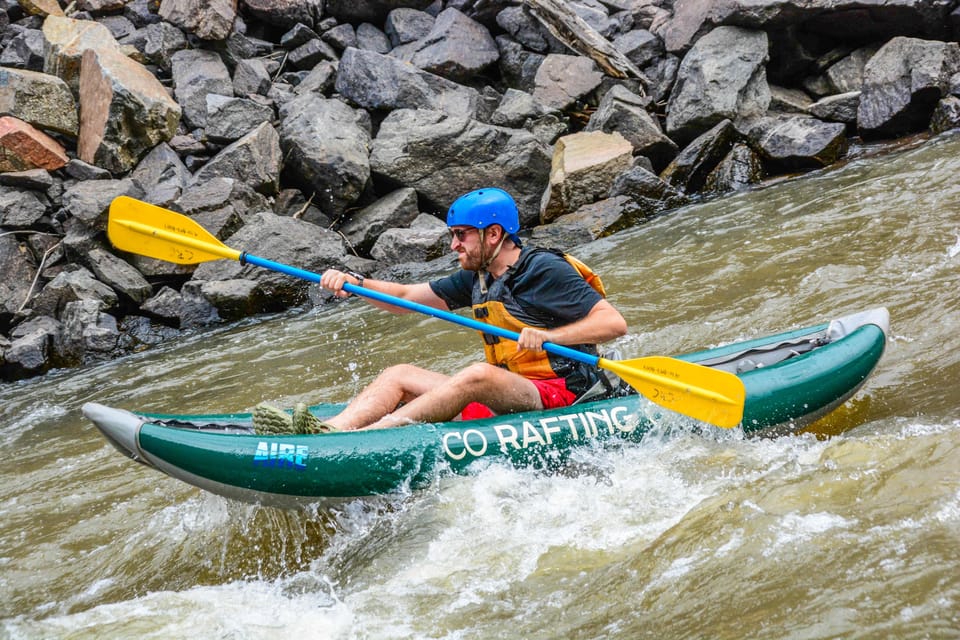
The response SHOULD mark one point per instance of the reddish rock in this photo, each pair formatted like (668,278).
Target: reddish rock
(24,147)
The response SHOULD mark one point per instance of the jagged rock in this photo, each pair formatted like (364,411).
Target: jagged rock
(624,112)
(282,239)
(197,73)
(640,46)
(254,159)
(405,25)
(71,286)
(515,108)
(319,80)
(43,100)
(396,209)
(589,222)
(741,168)
(141,13)
(30,350)
(846,75)
(90,201)
(238,298)
(161,169)
(31,180)
(517,65)
(356,11)
(88,333)
(299,35)
(561,80)
(196,310)
(375,81)
(444,156)
(119,275)
(902,84)
(790,143)
(722,77)
(946,116)
(651,194)
(838,108)
(370,38)
(80,170)
(165,306)
(139,332)
(785,100)
(689,170)
(23,147)
(126,111)
(230,118)
(341,37)
(427,238)
(66,41)
(220,205)
(207,19)
(25,50)
(847,19)
(335,168)
(285,13)
(21,209)
(17,267)
(583,169)
(120,27)
(41,7)
(456,48)
(310,54)
(157,42)
(251,77)
(528,31)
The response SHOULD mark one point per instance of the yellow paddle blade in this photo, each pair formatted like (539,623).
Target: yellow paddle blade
(694,390)
(148,230)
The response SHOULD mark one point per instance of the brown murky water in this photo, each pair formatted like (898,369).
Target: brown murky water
(681,536)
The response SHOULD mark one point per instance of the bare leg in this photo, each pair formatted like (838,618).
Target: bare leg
(499,389)
(400,383)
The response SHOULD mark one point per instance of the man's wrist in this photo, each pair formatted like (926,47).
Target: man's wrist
(359,277)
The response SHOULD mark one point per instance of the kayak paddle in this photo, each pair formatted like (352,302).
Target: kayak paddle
(705,394)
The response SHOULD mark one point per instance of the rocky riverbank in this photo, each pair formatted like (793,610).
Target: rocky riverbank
(335,134)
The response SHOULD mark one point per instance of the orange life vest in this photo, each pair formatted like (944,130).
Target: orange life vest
(490,308)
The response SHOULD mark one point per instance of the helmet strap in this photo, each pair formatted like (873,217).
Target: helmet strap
(485,263)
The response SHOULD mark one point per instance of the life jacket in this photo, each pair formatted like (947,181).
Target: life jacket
(492,308)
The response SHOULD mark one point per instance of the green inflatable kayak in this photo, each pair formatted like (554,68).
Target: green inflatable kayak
(791,379)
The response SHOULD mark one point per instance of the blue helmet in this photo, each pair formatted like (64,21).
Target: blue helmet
(484,207)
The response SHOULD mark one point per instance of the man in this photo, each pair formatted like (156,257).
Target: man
(535,292)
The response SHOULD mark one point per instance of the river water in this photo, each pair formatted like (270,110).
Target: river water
(684,535)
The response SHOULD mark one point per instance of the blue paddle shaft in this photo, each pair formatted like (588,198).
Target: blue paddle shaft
(470,323)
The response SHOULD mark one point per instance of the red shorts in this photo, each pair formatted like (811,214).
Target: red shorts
(553,394)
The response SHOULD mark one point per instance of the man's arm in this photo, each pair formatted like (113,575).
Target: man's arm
(602,323)
(421,293)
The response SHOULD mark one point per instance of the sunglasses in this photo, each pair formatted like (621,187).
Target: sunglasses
(461,234)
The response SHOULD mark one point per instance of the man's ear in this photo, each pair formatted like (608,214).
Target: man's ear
(495,232)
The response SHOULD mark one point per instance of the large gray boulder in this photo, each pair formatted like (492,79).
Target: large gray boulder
(902,85)
(395,210)
(795,142)
(326,147)
(457,47)
(444,156)
(197,73)
(722,77)
(375,81)
(254,159)
(375,11)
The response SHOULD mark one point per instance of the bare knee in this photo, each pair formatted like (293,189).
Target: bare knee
(476,374)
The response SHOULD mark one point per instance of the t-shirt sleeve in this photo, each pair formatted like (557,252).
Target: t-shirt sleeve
(456,289)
